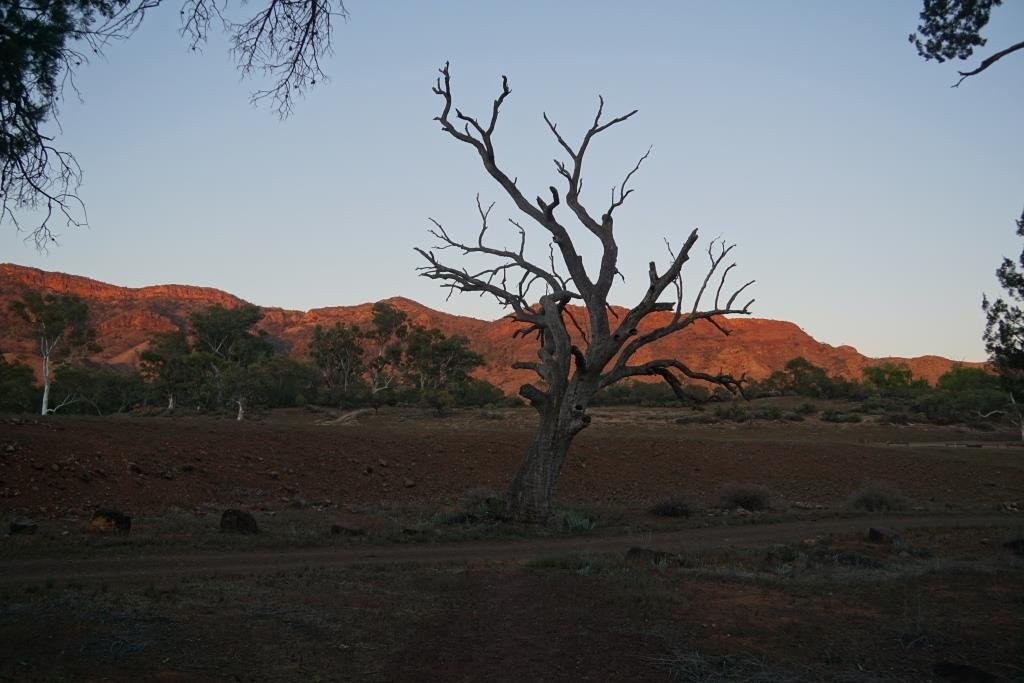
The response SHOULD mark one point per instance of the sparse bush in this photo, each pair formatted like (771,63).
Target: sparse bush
(697,419)
(877,498)
(793,417)
(748,496)
(769,413)
(476,506)
(574,522)
(732,411)
(836,416)
(672,507)
(806,409)
(896,418)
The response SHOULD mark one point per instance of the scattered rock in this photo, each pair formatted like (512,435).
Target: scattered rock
(1009,506)
(134,468)
(801,505)
(106,521)
(167,475)
(10,448)
(649,556)
(881,534)
(742,511)
(23,527)
(37,465)
(188,469)
(273,474)
(382,462)
(408,483)
(55,467)
(339,530)
(239,522)
(367,470)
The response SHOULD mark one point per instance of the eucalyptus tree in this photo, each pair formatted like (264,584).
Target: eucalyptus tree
(60,325)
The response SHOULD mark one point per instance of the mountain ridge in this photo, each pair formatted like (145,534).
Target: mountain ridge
(125,318)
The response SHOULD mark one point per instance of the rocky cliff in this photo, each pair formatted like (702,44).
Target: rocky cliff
(125,318)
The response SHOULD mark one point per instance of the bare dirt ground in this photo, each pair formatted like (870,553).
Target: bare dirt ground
(794,593)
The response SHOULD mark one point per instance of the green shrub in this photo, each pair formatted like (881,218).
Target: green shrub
(733,411)
(877,498)
(836,416)
(672,507)
(697,419)
(18,393)
(574,522)
(793,417)
(896,418)
(769,413)
(806,409)
(749,496)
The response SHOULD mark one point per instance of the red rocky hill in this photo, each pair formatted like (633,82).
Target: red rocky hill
(125,318)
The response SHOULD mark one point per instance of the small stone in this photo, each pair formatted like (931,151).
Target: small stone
(106,521)
(134,468)
(188,469)
(37,465)
(881,534)
(367,470)
(273,474)
(23,527)
(239,522)
(742,511)
(10,448)
(408,483)
(55,467)
(382,462)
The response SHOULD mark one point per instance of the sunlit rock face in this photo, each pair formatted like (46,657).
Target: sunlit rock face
(126,317)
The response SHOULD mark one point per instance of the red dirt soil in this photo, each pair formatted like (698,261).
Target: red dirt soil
(69,465)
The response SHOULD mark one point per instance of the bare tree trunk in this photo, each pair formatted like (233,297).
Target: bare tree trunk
(46,386)
(241,410)
(1020,417)
(530,494)
(170,403)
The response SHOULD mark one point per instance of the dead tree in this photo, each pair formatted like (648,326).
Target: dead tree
(570,373)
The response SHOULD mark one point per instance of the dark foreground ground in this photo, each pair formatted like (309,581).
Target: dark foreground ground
(414,588)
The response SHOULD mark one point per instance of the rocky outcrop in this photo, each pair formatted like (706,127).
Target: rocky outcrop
(126,317)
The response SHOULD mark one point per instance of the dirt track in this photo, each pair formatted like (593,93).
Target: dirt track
(262,561)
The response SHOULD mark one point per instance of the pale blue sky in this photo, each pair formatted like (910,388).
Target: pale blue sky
(870,200)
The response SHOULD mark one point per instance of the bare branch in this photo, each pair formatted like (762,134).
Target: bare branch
(988,62)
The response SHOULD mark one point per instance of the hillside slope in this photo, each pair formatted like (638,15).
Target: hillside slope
(125,318)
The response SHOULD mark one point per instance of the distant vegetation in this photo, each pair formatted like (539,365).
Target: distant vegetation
(221,362)
(888,391)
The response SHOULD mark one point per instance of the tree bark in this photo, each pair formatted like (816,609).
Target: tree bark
(529,496)
(46,387)
(170,403)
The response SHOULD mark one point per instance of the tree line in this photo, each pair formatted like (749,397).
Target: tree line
(221,361)
(963,395)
